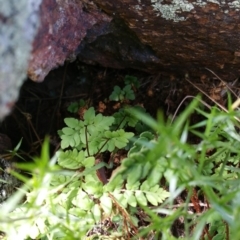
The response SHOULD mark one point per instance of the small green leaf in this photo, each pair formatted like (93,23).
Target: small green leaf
(72,142)
(89,115)
(64,142)
(118,139)
(71,122)
(132,81)
(83,201)
(135,174)
(93,187)
(76,138)
(102,122)
(116,94)
(141,199)
(146,169)
(148,135)
(83,135)
(68,131)
(118,195)
(96,211)
(130,198)
(106,204)
(155,175)
(70,159)
(115,182)
(73,107)
(152,198)
(162,195)
(145,186)
(128,92)
(134,186)
(88,162)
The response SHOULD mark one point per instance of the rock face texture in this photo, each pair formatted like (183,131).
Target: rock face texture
(177,36)
(186,36)
(18,25)
(174,36)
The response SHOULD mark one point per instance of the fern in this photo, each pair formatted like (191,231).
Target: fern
(66,198)
(119,94)
(74,106)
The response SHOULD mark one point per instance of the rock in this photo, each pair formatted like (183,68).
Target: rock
(18,25)
(186,36)
(116,46)
(174,36)
(64,24)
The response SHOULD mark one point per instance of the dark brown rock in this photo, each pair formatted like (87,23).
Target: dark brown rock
(116,46)
(177,36)
(187,36)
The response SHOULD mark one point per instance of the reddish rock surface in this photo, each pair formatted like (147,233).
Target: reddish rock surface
(176,36)
(64,24)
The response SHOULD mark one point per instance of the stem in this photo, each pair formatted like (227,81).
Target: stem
(118,127)
(102,148)
(189,96)
(227,230)
(86,141)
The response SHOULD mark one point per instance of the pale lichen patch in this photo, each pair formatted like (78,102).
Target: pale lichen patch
(171,11)
(234,4)
(138,7)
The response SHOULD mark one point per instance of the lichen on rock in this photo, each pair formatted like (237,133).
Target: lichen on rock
(18,26)
(173,8)
(169,11)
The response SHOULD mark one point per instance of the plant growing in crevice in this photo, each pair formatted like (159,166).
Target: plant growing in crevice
(127,92)
(162,183)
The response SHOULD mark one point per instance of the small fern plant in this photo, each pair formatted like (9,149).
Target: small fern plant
(76,199)
(127,92)
(85,197)
(92,196)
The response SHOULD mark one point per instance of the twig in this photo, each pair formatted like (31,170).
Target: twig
(223,82)
(124,213)
(189,96)
(218,104)
(29,117)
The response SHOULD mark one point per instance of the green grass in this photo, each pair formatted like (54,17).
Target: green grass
(164,179)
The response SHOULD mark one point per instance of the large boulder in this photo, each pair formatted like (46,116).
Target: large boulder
(173,36)
(177,36)
(18,26)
